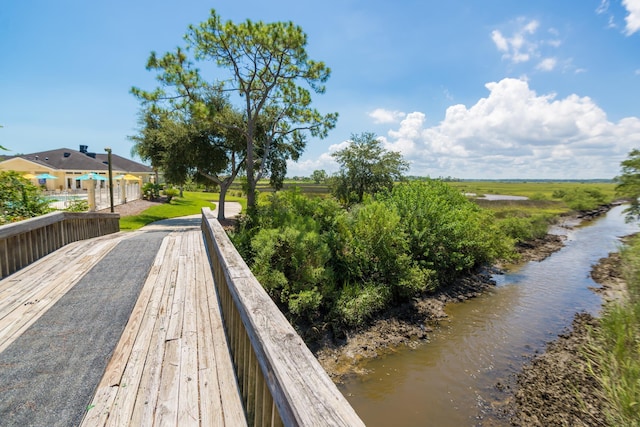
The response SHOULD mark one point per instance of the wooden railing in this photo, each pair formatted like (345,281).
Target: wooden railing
(281,382)
(24,242)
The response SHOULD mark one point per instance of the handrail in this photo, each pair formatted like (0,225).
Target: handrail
(24,242)
(281,382)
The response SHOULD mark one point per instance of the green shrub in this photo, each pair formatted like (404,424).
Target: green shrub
(291,265)
(357,304)
(19,198)
(525,228)
(371,247)
(171,193)
(447,233)
(150,191)
(584,199)
(538,196)
(78,205)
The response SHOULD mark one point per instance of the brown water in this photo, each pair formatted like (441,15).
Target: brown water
(468,366)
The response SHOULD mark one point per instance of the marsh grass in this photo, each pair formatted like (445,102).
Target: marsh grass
(614,348)
(191,204)
(533,190)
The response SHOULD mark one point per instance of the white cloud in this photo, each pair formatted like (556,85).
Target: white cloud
(633,18)
(516,48)
(603,7)
(637,72)
(380,115)
(500,41)
(515,133)
(547,64)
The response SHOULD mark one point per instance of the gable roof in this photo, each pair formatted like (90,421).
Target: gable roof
(68,159)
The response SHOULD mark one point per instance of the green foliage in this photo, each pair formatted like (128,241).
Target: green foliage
(319,176)
(265,62)
(291,263)
(78,205)
(365,168)
(538,196)
(357,304)
(171,193)
(315,258)
(19,198)
(584,199)
(151,191)
(371,247)
(614,348)
(628,183)
(524,228)
(447,233)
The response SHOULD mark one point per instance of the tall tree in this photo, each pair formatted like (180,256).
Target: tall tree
(629,183)
(191,148)
(266,63)
(365,168)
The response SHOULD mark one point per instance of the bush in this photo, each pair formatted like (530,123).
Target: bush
(171,193)
(19,198)
(448,234)
(522,229)
(151,191)
(370,247)
(316,258)
(78,205)
(584,199)
(291,265)
(357,304)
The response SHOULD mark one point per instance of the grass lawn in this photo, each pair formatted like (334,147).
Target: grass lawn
(191,204)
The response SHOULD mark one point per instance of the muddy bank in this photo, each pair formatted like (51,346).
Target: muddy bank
(411,323)
(555,388)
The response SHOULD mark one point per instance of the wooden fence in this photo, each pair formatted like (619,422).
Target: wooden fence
(281,382)
(24,242)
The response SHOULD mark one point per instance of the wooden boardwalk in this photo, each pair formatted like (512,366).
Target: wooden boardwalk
(28,293)
(172,365)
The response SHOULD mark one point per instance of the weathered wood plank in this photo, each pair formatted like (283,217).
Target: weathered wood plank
(29,293)
(147,397)
(188,409)
(119,385)
(233,411)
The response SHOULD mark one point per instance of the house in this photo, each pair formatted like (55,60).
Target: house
(67,165)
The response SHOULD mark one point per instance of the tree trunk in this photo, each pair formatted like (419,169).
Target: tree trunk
(223,196)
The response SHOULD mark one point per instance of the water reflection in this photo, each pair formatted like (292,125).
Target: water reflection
(454,379)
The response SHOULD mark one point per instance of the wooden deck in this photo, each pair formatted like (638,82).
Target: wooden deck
(172,365)
(28,293)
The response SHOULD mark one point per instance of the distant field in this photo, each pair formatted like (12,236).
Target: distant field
(540,191)
(530,189)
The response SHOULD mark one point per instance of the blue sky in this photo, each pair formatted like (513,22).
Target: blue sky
(470,89)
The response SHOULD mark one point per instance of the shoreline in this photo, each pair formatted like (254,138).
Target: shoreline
(552,387)
(409,324)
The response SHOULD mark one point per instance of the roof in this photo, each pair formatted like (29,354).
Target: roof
(68,159)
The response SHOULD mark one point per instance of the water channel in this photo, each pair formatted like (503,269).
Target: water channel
(470,361)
